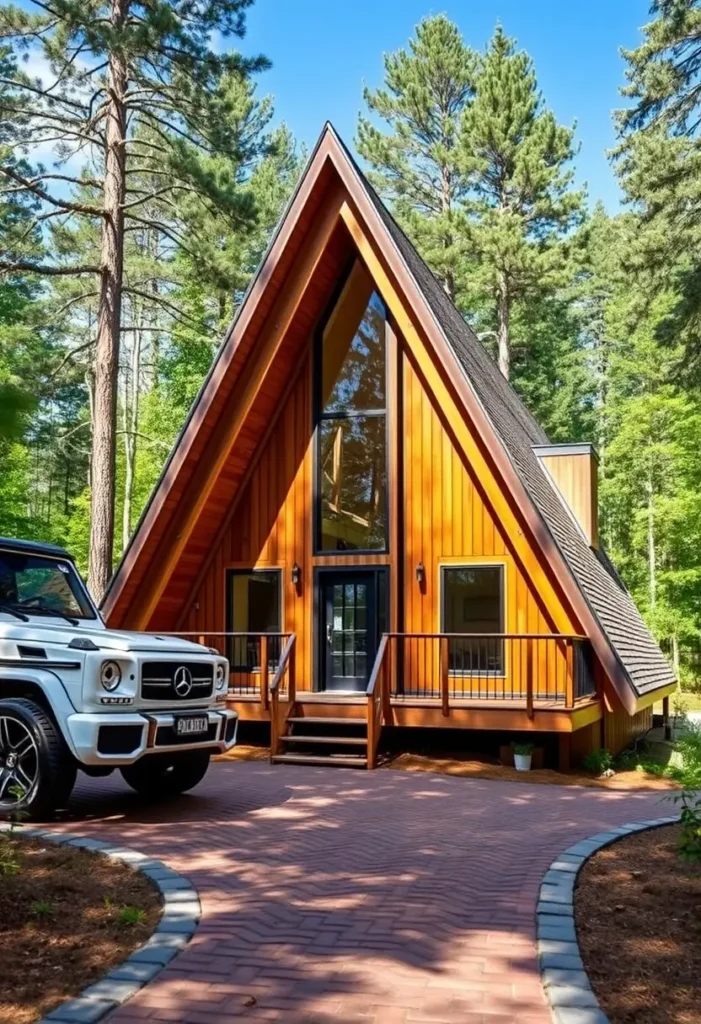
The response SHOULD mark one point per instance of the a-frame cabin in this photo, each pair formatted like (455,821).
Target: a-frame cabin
(361,513)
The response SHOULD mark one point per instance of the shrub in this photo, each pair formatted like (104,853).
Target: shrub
(523,749)
(42,909)
(129,916)
(689,746)
(598,761)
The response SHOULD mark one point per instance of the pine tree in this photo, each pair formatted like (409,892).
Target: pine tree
(117,66)
(659,165)
(415,164)
(521,205)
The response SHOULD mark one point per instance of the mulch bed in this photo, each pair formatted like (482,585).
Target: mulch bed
(60,926)
(476,769)
(638,915)
(470,767)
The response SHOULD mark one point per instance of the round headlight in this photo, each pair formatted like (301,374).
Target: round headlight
(220,676)
(110,675)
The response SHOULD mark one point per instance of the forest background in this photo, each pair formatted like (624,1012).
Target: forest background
(142,173)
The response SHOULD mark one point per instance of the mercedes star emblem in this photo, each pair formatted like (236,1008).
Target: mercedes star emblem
(182,681)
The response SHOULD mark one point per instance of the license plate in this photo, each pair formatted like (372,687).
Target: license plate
(192,725)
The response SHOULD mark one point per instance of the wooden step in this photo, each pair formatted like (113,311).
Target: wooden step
(323,720)
(336,762)
(353,741)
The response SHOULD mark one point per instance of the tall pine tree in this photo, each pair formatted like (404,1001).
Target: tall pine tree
(415,163)
(118,67)
(520,204)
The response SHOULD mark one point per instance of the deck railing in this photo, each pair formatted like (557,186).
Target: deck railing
(523,669)
(253,659)
(283,693)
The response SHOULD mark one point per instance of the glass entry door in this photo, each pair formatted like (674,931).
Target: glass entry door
(349,629)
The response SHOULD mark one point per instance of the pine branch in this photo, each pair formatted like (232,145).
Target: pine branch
(62,204)
(26,267)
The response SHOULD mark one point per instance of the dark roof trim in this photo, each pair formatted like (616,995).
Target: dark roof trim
(580,448)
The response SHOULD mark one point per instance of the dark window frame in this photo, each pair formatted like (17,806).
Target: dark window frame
(319,416)
(502,670)
(230,574)
(383,597)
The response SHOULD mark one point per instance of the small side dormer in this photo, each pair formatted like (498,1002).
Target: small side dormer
(573,470)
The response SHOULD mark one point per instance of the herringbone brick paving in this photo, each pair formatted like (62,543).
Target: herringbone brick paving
(367,898)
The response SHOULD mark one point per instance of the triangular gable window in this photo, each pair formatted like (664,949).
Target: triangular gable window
(352,421)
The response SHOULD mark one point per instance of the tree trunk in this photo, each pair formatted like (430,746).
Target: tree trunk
(651,556)
(676,663)
(109,321)
(448,275)
(503,319)
(131,426)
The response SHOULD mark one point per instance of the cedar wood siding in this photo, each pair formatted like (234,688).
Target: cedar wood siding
(445,517)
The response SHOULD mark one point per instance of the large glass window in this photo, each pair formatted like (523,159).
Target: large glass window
(352,400)
(253,607)
(473,602)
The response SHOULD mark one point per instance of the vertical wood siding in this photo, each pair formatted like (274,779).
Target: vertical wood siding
(448,521)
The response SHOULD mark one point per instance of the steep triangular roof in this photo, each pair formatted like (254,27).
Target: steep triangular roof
(631,658)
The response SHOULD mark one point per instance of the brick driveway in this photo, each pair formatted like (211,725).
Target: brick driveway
(332,895)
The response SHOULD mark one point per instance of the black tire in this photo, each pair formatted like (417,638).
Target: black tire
(166,774)
(46,773)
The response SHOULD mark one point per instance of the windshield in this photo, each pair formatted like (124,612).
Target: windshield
(37,584)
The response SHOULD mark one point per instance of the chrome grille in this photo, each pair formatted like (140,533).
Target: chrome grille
(176,680)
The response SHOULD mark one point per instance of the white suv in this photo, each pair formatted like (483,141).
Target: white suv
(74,694)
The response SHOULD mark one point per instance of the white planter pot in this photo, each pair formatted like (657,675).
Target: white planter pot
(522,762)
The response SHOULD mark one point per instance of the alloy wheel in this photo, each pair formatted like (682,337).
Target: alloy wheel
(19,762)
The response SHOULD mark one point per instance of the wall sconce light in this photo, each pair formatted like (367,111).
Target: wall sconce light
(296,576)
(420,574)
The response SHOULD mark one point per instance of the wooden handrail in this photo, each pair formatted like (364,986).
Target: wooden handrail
(280,710)
(199,632)
(377,697)
(374,675)
(487,636)
(284,660)
(447,667)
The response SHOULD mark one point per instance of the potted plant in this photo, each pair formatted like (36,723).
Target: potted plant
(523,752)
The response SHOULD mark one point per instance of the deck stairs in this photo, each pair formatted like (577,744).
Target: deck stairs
(324,739)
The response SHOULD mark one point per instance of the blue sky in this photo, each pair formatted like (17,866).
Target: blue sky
(323,51)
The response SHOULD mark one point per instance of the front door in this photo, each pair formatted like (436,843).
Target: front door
(349,629)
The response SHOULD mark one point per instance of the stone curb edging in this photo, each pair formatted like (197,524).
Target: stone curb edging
(562,973)
(179,918)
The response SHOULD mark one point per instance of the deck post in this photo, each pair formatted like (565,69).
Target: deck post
(445,671)
(667,725)
(292,675)
(569,675)
(264,672)
(529,678)
(372,732)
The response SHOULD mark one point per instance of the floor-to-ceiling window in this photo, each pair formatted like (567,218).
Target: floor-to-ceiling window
(351,411)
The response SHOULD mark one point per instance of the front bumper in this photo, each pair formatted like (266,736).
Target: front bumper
(118,739)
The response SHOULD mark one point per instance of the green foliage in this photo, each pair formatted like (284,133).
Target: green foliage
(689,799)
(130,916)
(42,909)
(523,749)
(417,165)
(598,761)
(10,863)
